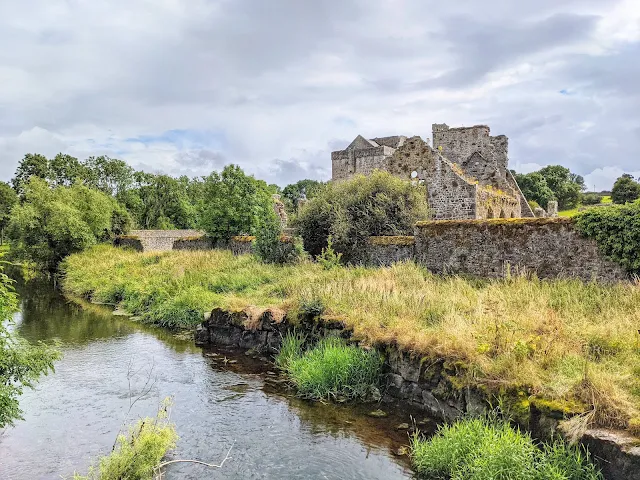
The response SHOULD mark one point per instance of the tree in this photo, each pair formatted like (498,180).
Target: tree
(8,199)
(352,211)
(65,170)
(291,193)
(109,175)
(625,189)
(50,224)
(534,188)
(567,187)
(21,364)
(234,203)
(32,165)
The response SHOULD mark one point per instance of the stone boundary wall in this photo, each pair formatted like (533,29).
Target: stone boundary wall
(129,241)
(242,244)
(430,385)
(162,240)
(384,251)
(548,247)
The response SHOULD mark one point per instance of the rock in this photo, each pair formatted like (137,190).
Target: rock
(375,394)
(378,414)
(271,373)
(402,451)
(402,426)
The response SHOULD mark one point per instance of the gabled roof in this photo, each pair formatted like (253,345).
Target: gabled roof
(360,143)
(394,141)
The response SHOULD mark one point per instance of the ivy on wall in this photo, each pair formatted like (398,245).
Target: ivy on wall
(616,229)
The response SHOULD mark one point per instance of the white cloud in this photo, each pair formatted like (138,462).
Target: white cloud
(283,80)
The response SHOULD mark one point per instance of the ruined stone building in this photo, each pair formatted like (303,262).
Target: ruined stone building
(466,172)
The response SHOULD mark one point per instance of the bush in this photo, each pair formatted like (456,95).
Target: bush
(479,449)
(331,369)
(271,246)
(328,258)
(353,210)
(616,229)
(592,199)
(137,455)
(625,190)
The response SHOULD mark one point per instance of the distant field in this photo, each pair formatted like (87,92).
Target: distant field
(574,211)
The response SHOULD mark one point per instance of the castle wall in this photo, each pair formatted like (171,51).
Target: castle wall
(550,248)
(494,204)
(458,144)
(415,155)
(449,195)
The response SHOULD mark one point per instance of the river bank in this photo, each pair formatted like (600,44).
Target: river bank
(221,396)
(453,345)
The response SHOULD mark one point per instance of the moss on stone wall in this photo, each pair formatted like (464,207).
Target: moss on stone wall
(243,238)
(392,240)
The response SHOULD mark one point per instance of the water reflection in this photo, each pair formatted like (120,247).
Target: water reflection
(75,414)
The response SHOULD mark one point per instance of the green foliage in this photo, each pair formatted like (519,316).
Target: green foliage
(479,449)
(616,229)
(21,364)
(592,199)
(50,224)
(328,258)
(332,369)
(8,199)
(291,193)
(234,203)
(552,183)
(32,165)
(353,210)
(535,189)
(271,246)
(137,454)
(625,190)
(290,349)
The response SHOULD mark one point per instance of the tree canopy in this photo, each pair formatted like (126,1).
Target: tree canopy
(8,199)
(50,224)
(625,190)
(553,182)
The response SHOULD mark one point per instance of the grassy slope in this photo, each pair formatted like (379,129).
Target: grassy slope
(574,211)
(560,340)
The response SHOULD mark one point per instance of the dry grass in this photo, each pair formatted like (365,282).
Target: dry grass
(558,340)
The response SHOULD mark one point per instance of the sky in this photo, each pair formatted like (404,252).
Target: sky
(187,86)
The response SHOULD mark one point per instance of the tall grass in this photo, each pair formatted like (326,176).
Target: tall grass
(563,340)
(138,453)
(331,369)
(480,449)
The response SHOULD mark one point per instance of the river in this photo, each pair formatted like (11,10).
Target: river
(222,399)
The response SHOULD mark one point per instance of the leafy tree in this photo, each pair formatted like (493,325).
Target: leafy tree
(567,187)
(21,364)
(534,188)
(271,246)
(354,210)
(65,170)
(32,165)
(8,199)
(234,203)
(53,223)
(110,175)
(291,193)
(625,189)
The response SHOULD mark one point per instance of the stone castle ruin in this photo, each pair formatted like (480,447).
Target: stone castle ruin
(466,172)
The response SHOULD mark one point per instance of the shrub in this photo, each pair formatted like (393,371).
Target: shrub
(354,210)
(333,369)
(137,455)
(479,449)
(272,247)
(592,199)
(328,258)
(616,229)
(625,189)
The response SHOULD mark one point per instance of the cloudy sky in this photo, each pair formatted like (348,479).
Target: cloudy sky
(187,86)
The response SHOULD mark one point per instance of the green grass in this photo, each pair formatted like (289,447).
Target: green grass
(137,454)
(574,211)
(331,369)
(480,449)
(564,341)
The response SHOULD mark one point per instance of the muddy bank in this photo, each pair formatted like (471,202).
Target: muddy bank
(430,386)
